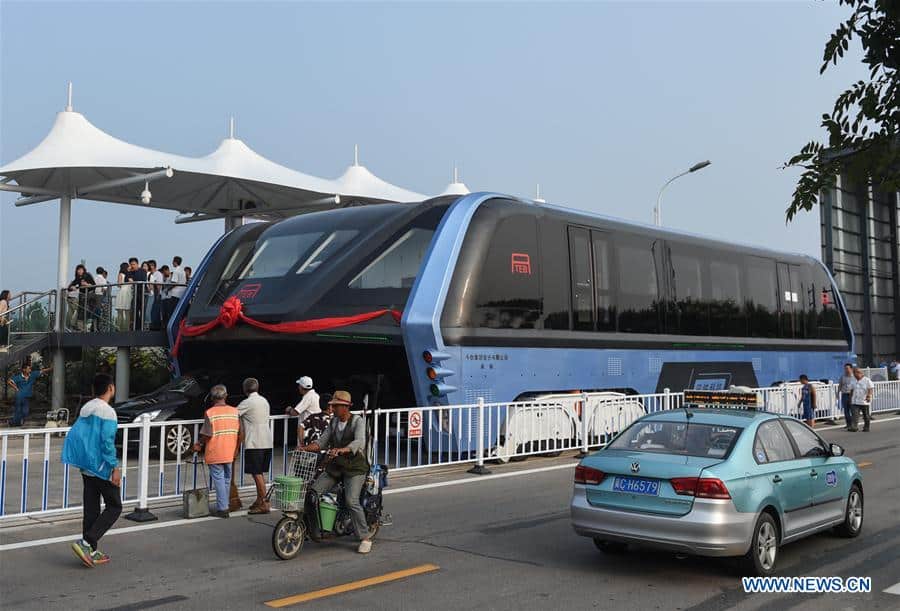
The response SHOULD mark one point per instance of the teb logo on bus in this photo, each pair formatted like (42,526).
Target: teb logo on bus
(520,263)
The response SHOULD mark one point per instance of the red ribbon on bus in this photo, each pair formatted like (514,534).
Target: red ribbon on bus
(232,312)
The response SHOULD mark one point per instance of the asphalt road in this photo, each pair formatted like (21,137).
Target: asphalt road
(499,543)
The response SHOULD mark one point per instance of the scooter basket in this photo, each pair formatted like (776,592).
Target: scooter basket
(289,492)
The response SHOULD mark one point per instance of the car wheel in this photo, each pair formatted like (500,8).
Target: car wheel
(853,514)
(763,553)
(610,547)
(178,441)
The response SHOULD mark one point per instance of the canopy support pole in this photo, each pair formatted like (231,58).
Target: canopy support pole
(233,222)
(58,380)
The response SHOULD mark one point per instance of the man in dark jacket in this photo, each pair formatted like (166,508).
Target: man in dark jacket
(345,440)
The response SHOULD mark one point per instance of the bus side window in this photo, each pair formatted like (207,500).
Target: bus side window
(638,296)
(582,279)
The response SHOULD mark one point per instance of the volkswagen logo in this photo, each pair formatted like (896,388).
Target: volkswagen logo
(635,467)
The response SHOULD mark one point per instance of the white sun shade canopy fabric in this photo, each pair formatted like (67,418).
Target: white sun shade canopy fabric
(232,180)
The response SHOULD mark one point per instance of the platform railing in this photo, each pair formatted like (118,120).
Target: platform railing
(156,459)
(30,314)
(127,306)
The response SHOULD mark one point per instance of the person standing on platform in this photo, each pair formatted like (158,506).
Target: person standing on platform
(188,272)
(219,442)
(4,321)
(153,309)
(100,307)
(90,445)
(177,280)
(254,412)
(138,276)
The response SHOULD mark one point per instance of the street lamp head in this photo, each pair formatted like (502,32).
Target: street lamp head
(699,166)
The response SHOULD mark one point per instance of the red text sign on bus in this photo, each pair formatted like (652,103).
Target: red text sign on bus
(520,263)
(414,425)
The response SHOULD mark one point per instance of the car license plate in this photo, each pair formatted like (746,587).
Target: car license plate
(636,485)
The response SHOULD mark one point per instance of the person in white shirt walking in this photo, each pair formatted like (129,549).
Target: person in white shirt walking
(861,399)
(254,413)
(308,405)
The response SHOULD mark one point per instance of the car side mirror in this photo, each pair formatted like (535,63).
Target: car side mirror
(836,450)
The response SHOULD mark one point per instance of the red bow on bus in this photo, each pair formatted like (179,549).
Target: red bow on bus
(232,312)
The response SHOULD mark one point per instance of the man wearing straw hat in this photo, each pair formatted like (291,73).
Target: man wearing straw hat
(345,440)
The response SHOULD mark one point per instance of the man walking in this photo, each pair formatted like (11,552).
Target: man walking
(845,391)
(23,385)
(91,446)
(219,442)
(345,440)
(254,412)
(861,399)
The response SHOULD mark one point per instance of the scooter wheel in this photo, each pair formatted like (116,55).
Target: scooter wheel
(288,537)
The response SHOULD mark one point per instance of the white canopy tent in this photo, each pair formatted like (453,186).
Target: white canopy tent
(78,160)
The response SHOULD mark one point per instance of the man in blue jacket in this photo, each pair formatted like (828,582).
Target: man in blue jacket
(91,447)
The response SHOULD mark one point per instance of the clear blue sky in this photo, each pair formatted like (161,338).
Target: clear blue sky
(599,103)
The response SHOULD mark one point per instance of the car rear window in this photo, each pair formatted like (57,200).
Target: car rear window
(683,438)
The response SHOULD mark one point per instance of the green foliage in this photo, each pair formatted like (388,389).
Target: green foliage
(863,125)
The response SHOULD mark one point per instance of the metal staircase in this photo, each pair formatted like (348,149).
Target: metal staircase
(30,321)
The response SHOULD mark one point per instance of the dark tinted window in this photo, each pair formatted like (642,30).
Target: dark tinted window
(726,308)
(509,286)
(772,444)
(638,284)
(604,282)
(808,443)
(688,311)
(761,300)
(582,279)
(829,324)
(556,281)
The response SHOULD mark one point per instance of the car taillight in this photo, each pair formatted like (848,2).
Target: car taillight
(586,475)
(700,487)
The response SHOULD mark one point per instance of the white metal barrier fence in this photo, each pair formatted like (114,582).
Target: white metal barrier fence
(156,465)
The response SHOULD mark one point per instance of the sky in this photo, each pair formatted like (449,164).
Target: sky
(600,103)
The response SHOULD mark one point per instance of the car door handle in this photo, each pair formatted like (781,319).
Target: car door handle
(814,473)
(777,479)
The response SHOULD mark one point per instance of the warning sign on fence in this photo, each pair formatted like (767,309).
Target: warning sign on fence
(414,426)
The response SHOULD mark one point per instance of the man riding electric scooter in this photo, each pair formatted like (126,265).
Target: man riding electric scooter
(345,440)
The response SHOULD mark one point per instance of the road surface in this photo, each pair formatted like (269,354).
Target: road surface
(500,542)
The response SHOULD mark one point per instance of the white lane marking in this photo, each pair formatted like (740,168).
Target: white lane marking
(841,426)
(182,522)
(894,589)
(114,531)
(476,479)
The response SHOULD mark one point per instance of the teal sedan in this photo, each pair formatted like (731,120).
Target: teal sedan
(716,482)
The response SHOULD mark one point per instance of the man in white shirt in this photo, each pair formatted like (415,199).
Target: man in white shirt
(254,413)
(861,398)
(100,304)
(308,405)
(177,280)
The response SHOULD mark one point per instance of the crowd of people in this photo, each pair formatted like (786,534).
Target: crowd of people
(145,296)
(325,423)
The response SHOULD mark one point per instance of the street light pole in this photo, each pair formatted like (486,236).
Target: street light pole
(657,212)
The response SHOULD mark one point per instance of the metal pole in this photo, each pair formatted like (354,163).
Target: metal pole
(585,450)
(141,512)
(479,468)
(123,373)
(58,376)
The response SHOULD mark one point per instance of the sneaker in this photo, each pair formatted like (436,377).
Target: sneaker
(99,557)
(365,546)
(84,552)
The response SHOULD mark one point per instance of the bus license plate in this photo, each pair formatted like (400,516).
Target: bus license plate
(636,485)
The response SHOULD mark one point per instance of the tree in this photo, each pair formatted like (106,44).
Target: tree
(863,125)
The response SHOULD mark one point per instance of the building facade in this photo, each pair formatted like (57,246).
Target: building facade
(860,247)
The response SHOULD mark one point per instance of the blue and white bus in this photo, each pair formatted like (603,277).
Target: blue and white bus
(507,299)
